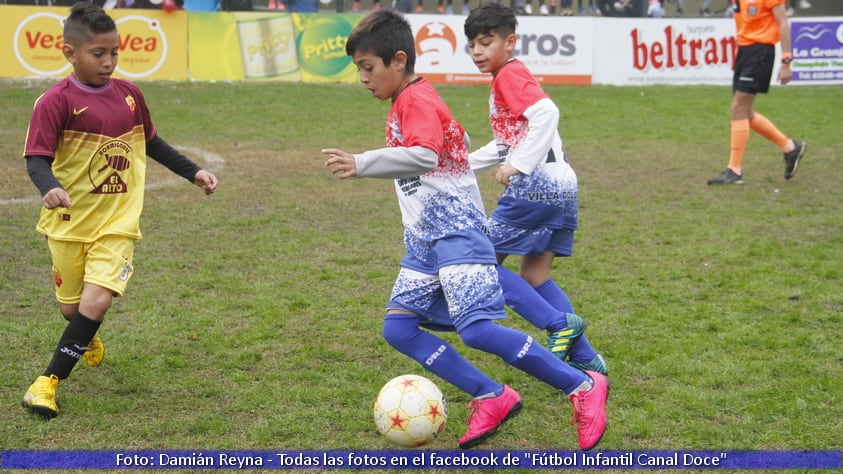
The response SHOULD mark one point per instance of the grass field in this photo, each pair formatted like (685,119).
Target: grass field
(253,319)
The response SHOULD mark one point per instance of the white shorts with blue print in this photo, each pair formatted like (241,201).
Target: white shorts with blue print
(452,299)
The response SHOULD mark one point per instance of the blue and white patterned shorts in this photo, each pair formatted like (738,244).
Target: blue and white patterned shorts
(457,296)
(513,240)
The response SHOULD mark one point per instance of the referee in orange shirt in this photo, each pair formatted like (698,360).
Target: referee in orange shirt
(760,25)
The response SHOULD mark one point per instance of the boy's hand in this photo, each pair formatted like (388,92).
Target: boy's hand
(206,180)
(56,197)
(504,173)
(341,163)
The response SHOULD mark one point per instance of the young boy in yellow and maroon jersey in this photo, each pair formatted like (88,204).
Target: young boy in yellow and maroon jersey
(86,151)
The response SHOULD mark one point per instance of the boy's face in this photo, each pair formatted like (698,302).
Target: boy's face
(384,82)
(93,61)
(490,51)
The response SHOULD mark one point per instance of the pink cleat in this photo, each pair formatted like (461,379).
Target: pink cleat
(590,411)
(488,414)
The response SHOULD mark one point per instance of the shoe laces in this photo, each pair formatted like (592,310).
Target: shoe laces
(474,406)
(46,389)
(577,417)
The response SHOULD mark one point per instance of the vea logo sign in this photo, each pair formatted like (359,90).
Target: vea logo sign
(38,43)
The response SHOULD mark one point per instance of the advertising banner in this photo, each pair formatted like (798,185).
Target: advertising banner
(153,43)
(321,39)
(817,45)
(271,46)
(557,50)
(310,47)
(237,46)
(658,51)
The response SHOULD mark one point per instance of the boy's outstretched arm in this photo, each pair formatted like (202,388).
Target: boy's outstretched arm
(161,151)
(387,163)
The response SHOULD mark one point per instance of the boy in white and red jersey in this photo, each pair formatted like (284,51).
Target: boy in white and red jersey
(760,25)
(538,212)
(86,151)
(447,278)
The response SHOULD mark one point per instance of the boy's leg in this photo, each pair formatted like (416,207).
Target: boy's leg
(96,349)
(475,299)
(527,302)
(521,351)
(72,345)
(566,339)
(88,276)
(493,403)
(587,391)
(582,354)
(563,328)
(421,293)
(41,395)
(402,332)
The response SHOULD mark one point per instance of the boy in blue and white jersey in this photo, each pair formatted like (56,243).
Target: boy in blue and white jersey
(538,212)
(447,278)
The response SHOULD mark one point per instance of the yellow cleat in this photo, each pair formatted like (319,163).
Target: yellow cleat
(96,350)
(41,396)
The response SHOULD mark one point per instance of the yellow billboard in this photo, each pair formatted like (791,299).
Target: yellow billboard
(153,43)
(205,46)
(307,47)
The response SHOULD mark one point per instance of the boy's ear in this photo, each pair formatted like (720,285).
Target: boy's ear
(400,59)
(510,41)
(68,52)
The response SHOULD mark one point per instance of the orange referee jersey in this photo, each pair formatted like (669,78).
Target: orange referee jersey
(755,22)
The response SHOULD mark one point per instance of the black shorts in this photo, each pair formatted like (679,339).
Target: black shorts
(754,68)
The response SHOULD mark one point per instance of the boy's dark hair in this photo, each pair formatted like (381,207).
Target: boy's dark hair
(383,33)
(488,18)
(85,21)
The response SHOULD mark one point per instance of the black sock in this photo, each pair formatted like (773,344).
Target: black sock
(72,344)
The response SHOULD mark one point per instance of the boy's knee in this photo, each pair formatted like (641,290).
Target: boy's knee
(476,334)
(397,331)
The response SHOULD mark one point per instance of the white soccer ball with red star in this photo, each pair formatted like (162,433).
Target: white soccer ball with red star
(410,411)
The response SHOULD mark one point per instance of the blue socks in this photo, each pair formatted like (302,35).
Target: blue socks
(581,351)
(516,348)
(524,353)
(553,294)
(402,332)
(528,303)
(544,307)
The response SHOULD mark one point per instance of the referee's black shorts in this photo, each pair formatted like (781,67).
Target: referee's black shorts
(754,68)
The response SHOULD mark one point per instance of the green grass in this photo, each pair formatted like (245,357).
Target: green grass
(253,319)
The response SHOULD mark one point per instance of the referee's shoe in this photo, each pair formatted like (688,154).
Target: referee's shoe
(792,158)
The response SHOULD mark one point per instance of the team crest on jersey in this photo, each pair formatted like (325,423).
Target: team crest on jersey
(130,101)
(394,137)
(108,162)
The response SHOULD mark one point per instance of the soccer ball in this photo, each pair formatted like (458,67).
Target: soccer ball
(410,411)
